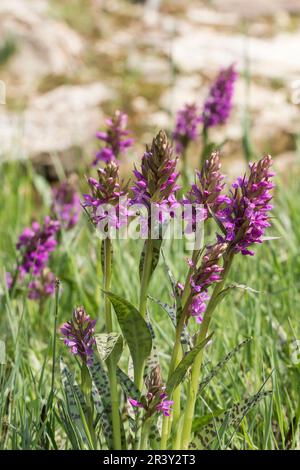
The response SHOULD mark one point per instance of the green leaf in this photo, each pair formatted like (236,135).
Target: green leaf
(128,385)
(180,371)
(101,397)
(176,291)
(134,329)
(220,364)
(109,343)
(198,423)
(171,311)
(228,289)
(75,400)
(232,417)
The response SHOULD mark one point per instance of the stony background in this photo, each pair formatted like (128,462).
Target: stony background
(68,63)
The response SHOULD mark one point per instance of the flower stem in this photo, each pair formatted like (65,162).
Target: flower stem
(54,337)
(196,368)
(175,359)
(205,147)
(110,362)
(145,435)
(146,274)
(145,281)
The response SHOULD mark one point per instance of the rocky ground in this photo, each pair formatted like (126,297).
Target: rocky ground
(67,63)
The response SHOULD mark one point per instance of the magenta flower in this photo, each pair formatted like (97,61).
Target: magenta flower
(115,138)
(79,335)
(218,104)
(207,190)
(156,398)
(106,191)
(35,244)
(66,204)
(156,181)
(165,405)
(42,286)
(186,127)
(246,217)
(207,274)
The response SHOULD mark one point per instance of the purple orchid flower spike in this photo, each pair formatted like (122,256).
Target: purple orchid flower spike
(115,138)
(78,335)
(218,104)
(186,127)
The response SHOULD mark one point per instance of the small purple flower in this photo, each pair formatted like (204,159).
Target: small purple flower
(186,128)
(43,286)
(115,138)
(35,244)
(208,187)
(165,405)
(135,403)
(156,181)
(218,104)
(207,274)
(66,204)
(246,217)
(198,305)
(79,335)
(107,191)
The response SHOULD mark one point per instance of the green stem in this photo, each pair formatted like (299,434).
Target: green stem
(146,274)
(54,337)
(145,281)
(110,362)
(185,177)
(196,368)
(175,359)
(145,435)
(205,147)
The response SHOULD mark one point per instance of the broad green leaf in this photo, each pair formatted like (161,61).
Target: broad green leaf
(75,400)
(182,368)
(152,362)
(232,417)
(109,343)
(198,423)
(220,364)
(128,385)
(134,328)
(101,397)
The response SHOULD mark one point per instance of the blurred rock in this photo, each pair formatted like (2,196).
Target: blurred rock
(44,46)
(55,122)
(271,58)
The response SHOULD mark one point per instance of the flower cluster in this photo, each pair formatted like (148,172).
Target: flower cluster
(156,398)
(66,205)
(79,335)
(115,138)
(207,190)
(35,245)
(106,191)
(186,128)
(156,181)
(218,104)
(246,216)
(208,273)
(42,286)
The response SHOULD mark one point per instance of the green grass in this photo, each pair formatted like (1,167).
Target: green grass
(29,416)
